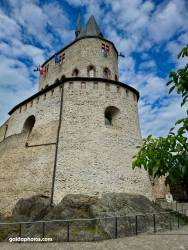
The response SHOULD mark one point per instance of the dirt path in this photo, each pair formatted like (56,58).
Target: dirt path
(171,240)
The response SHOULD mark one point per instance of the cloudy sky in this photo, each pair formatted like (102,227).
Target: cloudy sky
(149,34)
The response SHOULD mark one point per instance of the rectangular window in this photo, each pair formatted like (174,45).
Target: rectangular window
(107,86)
(46,68)
(62,58)
(105,50)
(70,85)
(95,85)
(118,89)
(83,85)
(103,47)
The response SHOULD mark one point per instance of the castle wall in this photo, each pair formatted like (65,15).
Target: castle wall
(25,171)
(94,158)
(45,108)
(3,130)
(80,55)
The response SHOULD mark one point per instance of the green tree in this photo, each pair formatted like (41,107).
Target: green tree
(168,156)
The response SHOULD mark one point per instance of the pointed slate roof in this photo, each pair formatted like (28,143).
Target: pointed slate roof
(91,29)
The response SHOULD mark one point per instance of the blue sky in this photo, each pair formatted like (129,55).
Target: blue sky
(149,34)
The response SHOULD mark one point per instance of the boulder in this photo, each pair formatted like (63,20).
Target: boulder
(122,204)
(73,206)
(31,209)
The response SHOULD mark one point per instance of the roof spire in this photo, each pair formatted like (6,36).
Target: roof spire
(78,25)
(91,28)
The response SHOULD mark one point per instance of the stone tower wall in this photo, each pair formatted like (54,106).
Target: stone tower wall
(94,158)
(79,56)
(28,170)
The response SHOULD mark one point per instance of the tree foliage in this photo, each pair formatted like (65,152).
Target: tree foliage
(179,79)
(168,156)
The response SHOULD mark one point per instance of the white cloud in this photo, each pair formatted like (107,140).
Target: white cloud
(8,27)
(167,20)
(18,49)
(13,73)
(158,121)
(150,64)
(38,30)
(15,84)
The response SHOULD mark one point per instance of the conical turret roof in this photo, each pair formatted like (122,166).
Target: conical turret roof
(91,29)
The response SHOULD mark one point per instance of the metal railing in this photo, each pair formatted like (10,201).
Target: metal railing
(180,207)
(93,229)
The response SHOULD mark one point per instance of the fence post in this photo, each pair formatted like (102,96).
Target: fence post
(178,220)
(154,224)
(170,222)
(136,225)
(43,229)
(20,231)
(68,231)
(116,227)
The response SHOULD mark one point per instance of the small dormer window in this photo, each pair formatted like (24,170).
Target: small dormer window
(105,49)
(75,72)
(91,71)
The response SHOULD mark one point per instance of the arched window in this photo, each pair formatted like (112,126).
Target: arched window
(106,73)
(75,72)
(111,115)
(29,124)
(116,78)
(91,71)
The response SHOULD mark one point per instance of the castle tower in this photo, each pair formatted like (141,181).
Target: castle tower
(78,134)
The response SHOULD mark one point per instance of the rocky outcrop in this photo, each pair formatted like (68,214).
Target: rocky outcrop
(112,215)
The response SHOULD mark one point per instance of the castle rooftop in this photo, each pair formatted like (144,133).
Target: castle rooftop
(91,29)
